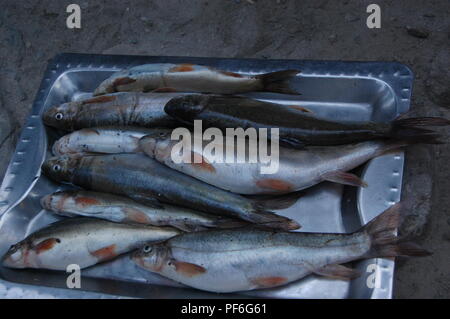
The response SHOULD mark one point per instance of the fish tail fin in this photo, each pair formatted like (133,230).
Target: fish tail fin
(411,131)
(384,241)
(270,219)
(278,81)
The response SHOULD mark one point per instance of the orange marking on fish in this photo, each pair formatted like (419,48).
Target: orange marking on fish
(188,269)
(136,216)
(182,68)
(86,201)
(266,282)
(235,75)
(105,253)
(198,161)
(275,184)
(300,108)
(123,81)
(99,99)
(60,204)
(45,245)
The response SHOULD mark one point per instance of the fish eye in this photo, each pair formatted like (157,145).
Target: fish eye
(59,116)
(56,168)
(147,249)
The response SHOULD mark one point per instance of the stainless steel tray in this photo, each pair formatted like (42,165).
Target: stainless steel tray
(344,91)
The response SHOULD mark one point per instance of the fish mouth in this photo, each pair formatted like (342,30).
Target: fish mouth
(49,114)
(13,257)
(46,201)
(137,258)
(57,148)
(6,261)
(148,144)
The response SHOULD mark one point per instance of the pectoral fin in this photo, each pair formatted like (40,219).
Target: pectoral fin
(337,272)
(345,178)
(187,269)
(147,200)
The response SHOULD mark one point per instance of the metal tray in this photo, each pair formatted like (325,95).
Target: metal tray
(345,91)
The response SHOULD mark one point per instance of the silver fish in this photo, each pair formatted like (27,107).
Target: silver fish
(81,241)
(194,78)
(297,169)
(240,260)
(124,210)
(110,140)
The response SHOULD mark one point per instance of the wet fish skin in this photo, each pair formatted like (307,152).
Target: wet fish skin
(247,259)
(193,78)
(109,140)
(117,109)
(145,180)
(81,241)
(297,169)
(297,129)
(121,209)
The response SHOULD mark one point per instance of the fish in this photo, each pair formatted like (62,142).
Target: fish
(82,241)
(120,209)
(145,180)
(297,129)
(167,77)
(108,140)
(117,109)
(245,259)
(296,170)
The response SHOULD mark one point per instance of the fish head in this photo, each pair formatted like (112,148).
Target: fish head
(47,202)
(187,107)
(150,142)
(17,255)
(60,169)
(61,146)
(60,116)
(152,257)
(56,202)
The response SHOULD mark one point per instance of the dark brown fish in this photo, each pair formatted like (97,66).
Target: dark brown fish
(296,128)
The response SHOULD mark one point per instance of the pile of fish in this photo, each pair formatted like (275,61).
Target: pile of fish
(206,224)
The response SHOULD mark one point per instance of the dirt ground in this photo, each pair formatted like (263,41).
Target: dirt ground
(413,32)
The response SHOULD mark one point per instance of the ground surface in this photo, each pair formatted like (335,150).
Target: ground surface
(31,32)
